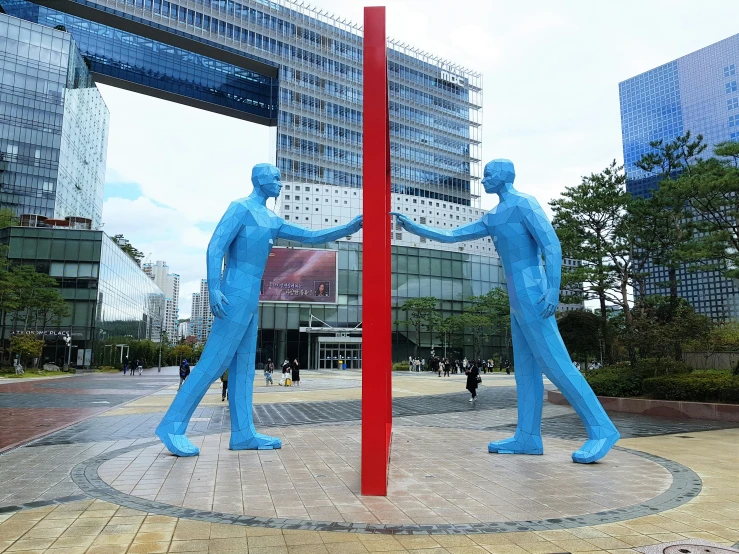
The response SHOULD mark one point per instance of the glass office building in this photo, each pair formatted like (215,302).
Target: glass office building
(435,106)
(696,93)
(53,125)
(112,300)
(299,70)
(321,334)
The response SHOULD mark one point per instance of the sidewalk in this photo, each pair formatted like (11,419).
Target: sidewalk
(32,408)
(106,485)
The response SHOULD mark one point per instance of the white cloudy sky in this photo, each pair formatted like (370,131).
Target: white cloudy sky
(551,72)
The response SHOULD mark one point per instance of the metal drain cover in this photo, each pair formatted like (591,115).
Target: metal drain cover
(688,546)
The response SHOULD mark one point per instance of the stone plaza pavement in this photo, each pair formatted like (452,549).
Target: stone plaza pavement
(91,478)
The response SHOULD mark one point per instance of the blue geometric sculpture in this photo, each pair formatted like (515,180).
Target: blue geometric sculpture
(245,236)
(522,234)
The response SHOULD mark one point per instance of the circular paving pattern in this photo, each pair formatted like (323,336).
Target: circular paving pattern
(441,481)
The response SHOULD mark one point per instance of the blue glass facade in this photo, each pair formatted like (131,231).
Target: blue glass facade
(53,125)
(126,59)
(696,93)
(317,103)
(111,300)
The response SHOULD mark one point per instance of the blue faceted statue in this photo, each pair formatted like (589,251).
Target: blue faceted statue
(522,233)
(245,236)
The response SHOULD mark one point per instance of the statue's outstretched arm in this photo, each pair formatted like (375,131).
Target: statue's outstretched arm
(471,231)
(546,238)
(223,236)
(309,236)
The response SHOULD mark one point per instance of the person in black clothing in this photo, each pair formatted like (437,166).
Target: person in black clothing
(473,374)
(296,372)
(184,372)
(224,380)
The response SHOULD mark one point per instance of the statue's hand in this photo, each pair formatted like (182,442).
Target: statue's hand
(355,224)
(550,301)
(218,301)
(404,221)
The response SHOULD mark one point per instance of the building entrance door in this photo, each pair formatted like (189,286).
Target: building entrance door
(330,354)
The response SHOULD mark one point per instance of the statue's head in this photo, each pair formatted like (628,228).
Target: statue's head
(498,174)
(266,177)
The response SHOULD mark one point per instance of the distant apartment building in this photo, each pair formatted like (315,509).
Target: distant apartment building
(699,93)
(183,330)
(201,318)
(170,284)
(53,126)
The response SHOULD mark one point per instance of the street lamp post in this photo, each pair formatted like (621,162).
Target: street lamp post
(161,330)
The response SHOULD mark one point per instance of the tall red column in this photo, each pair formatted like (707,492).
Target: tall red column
(376,314)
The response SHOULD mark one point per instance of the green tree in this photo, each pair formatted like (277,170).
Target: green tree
(667,226)
(594,225)
(659,325)
(34,297)
(7,218)
(180,352)
(580,333)
(421,314)
(28,346)
(712,193)
(135,254)
(495,309)
(450,328)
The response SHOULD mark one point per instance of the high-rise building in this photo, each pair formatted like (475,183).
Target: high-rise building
(697,93)
(53,126)
(201,318)
(111,302)
(183,330)
(170,284)
(299,70)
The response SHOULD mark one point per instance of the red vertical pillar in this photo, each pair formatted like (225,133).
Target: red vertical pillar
(376,313)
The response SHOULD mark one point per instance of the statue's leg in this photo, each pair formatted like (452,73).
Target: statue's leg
(552,356)
(530,393)
(240,396)
(225,336)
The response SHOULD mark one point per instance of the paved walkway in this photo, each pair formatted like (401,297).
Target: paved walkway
(103,484)
(31,408)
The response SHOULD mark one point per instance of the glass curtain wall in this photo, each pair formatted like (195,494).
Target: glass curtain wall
(452,277)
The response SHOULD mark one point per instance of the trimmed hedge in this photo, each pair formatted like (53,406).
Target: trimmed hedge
(673,381)
(624,381)
(694,388)
(615,382)
(401,366)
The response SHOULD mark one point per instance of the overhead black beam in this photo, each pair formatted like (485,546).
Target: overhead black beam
(154,31)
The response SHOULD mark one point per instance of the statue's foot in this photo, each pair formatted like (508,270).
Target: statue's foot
(253,441)
(179,445)
(594,449)
(518,444)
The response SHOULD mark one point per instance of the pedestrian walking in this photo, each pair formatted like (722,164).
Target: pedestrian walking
(296,372)
(134,367)
(140,366)
(507,366)
(184,372)
(268,369)
(473,379)
(445,366)
(125,364)
(224,380)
